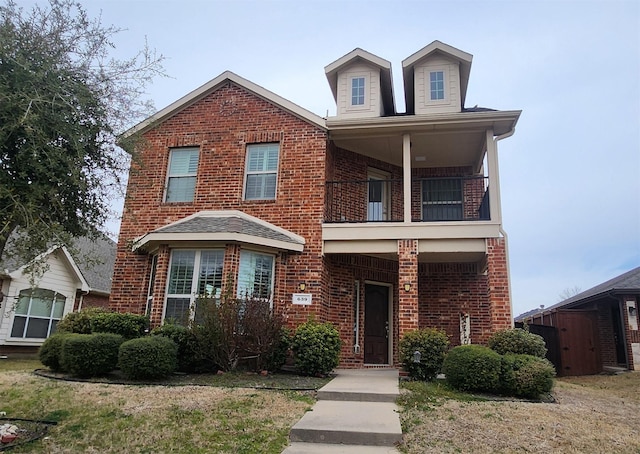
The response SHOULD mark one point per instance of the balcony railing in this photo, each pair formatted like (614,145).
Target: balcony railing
(432,199)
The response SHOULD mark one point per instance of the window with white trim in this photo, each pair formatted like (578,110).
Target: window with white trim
(261,171)
(436,84)
(37,313)
(182,174)
(357,91)
(255,276)
(192,274)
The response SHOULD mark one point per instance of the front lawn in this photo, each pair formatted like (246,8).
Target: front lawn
(185,418)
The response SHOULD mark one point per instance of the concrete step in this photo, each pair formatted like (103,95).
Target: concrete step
(362,386)
(350,423)
(322,448)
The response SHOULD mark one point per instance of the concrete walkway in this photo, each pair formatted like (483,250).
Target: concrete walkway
(355,413)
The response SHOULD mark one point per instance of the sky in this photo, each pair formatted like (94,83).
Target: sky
(570,175)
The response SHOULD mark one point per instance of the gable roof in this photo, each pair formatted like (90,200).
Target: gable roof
(91,260)
(223,226)
(361,55)
(625,284)
(212,86)
(436,47)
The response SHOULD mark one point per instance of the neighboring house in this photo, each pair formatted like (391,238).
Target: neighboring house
(594,330)
(29,314)
(377,221)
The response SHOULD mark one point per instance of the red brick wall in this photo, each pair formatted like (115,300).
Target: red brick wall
(498,286)
(221,125)
(91,300)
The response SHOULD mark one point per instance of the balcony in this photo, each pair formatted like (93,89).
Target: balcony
(446,199)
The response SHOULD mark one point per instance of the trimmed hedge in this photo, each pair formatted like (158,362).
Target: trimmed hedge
(316,347)
(517,341)
(51,350)
(89,355)
(526,376)
(275,359)
(148,357)
(98,320)
(473,368)
(189,357)
(79,322)
(432,344)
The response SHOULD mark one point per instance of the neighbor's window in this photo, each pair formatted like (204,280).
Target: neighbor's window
(192,273)
(181,180)
(37,313)
(261,171)
(436,79)
(357,91)
(442,199)
(255,276)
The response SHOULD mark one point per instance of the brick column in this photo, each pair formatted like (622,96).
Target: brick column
(160,286)
(407,274)
(498,283)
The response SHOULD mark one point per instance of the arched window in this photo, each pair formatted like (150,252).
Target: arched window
(37,313)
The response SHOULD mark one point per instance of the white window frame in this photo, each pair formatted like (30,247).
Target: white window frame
(437,90)
(364,91)
(56,296)
(193,175)
(195,281)
(350,79)
(241,291)
(248,173)
(427,85)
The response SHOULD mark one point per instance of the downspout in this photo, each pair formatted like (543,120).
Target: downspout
(501,229)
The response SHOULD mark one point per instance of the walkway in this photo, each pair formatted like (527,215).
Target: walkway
(355,413)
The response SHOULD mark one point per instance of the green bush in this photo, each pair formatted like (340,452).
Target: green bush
(79,322)
(526,376)
(432,344)
(129,326)
(51,350)
(89,355)
(188,358)
(316,347)
(472,368)
(148,357)
(275,359)
(517,341)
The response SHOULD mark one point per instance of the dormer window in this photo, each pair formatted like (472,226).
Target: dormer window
(436,79)
(357,91)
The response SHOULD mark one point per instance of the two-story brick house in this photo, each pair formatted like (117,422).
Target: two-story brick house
(378,221)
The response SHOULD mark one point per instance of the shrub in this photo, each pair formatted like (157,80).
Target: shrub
(79,322)
(316,347)
(275,359)
(187,343)
(517,341)
(129,326)
(148,357)
(472,368)
(432,344)
(526,376)
(88,355)
(51,350)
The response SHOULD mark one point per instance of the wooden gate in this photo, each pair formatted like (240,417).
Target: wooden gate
(578,339)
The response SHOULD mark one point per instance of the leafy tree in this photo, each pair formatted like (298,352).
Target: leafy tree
(63,102)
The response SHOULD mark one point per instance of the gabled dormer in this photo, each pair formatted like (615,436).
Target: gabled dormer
(361,85)
(436,79)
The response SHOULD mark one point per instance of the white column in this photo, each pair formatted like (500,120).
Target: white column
(494,178)
(406,174)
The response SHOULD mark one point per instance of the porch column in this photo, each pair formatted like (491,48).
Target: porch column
(494,178)
(406,175)
(407,274)
(498,283)
(159,286)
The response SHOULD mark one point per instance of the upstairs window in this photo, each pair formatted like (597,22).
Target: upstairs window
(442,199)
(37,313)
(181,179)
(261,171)
(436,79)
(255,276)
(357,91)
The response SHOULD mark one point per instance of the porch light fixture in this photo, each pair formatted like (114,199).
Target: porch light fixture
(417,356)
(407,287)
(302,286)
(632,311)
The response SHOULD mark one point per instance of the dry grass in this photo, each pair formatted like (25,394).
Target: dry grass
(104,418)
(596,414)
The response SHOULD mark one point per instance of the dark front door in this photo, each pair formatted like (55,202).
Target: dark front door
(376,324)
(618,336)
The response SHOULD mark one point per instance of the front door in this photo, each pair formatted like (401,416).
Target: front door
(377,195)
(376,324)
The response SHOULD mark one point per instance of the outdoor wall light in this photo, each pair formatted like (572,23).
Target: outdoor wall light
(407,287)
(303,286)
(417,356)
(632,311)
